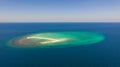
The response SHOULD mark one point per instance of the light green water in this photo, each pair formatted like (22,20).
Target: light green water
(57,39)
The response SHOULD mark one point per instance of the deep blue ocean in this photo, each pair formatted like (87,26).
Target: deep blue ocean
(103,54)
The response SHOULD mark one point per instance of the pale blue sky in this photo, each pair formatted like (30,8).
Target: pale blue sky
(59,10)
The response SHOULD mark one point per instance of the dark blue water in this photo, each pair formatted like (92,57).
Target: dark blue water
(104,54)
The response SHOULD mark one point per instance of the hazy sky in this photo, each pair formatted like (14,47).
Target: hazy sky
(59,10)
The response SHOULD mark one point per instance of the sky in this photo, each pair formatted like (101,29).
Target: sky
(59,10)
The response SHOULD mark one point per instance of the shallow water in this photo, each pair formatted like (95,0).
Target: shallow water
(57,39)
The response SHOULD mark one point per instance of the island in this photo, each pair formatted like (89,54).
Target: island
(57,39)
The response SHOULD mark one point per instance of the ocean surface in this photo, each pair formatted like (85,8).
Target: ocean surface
(103,54)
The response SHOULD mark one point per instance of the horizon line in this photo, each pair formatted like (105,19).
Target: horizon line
(67,22)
